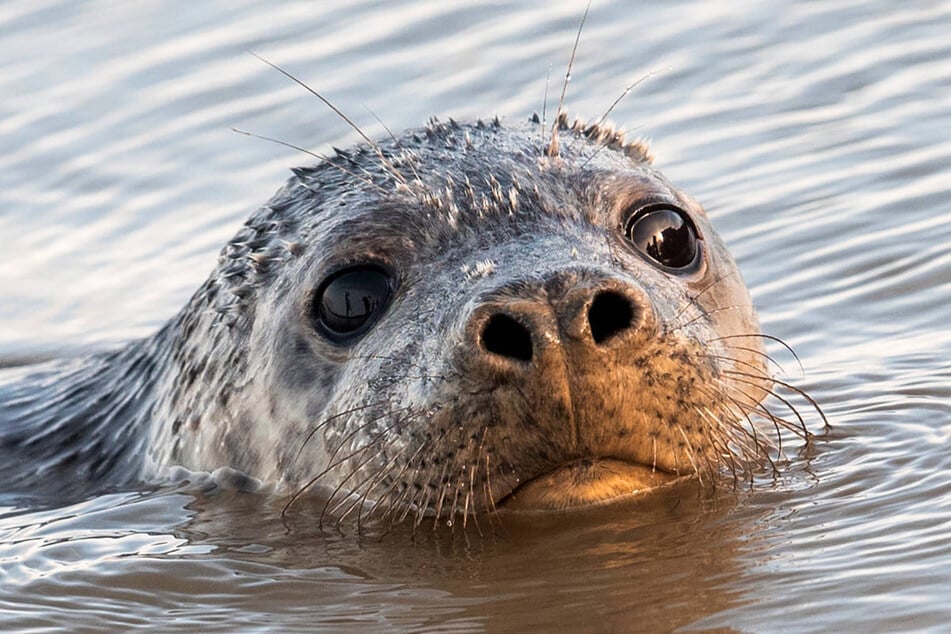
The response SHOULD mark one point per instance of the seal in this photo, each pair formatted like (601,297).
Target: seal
(465,317)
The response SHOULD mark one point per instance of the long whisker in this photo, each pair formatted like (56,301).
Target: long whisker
(333,463)
(544,122)
(724,449)
(396,503)
(395,140)
(330,419)
(376,148)
(736,374)
(362,426)
(812,402)
(693,298)
(690,453)
(757,445)
(325,101)
(373,480)
(320,157)
(758,353)
(709,313)
(611,108)
(760,335)
(760,409)
(552,150)
(353,472)
(628,90)
(442,493)
(719,441)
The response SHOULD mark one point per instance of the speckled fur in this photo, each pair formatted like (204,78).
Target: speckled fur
(468,215)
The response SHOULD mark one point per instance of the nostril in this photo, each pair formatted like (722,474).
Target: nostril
(506,337)
(609,314)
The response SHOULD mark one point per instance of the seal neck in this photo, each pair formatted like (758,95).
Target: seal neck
(74,426)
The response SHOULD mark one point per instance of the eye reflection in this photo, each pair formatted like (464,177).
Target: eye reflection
(665,235)
(350,301)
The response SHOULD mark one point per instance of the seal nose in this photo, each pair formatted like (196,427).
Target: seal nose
(609,314)
(584,316)
(506,337)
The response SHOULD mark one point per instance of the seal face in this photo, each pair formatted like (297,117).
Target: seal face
(447,322)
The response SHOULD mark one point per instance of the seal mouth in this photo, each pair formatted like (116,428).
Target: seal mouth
(587,482)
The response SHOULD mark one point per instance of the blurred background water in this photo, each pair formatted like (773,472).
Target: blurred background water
(817,134)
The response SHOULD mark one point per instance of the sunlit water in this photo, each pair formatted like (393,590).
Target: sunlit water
(818,135)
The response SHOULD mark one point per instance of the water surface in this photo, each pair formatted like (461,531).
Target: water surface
(815,133)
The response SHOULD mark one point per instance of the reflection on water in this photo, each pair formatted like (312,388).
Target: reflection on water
(231,550)
(815,134)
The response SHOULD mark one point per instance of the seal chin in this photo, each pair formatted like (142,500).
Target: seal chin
(585,483)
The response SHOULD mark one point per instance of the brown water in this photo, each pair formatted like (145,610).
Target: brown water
(818,135)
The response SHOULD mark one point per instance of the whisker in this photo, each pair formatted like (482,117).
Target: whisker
(723,357)
(544,122)
(628,90)
(353,472)
(395,140)
(689,453)
(320,157)
(470,494)
(452,509)
(333,464)
(490,499)
(456,496)
(421,511)
(442,494)
(736,374)
(374,481)
(359,500)
(751,432)
(654,461)
(552,150)
(330,419)
(360,428)
(768,338)
(395,504)
(611,108)
(714,423)
(778,422)
(757,446)
(693,298)
(708,313)
(759,353)
(424,503)
(325,101)
(376,148)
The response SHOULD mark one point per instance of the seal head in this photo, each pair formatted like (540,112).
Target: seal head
(441,324)
(455,319)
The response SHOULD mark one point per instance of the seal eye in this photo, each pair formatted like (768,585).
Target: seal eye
(665,234)
(348,302)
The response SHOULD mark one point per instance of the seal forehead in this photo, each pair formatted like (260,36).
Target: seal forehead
(465,151)
(449,176)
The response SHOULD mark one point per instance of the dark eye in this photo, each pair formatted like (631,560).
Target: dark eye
(348,303)
(664,234)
